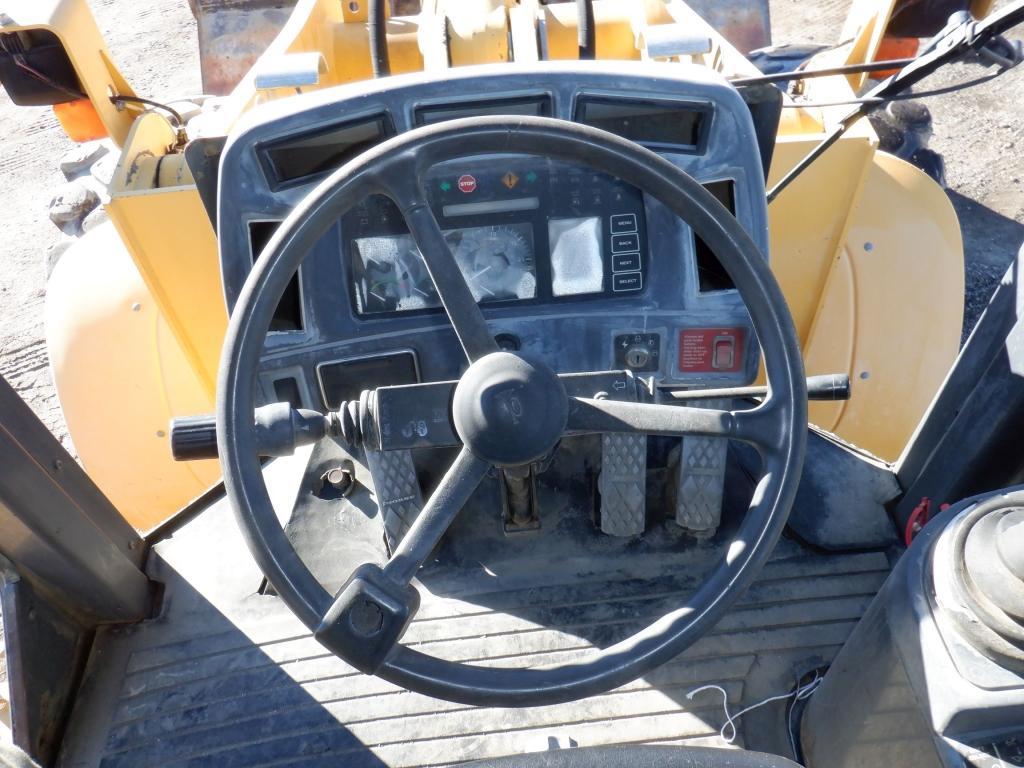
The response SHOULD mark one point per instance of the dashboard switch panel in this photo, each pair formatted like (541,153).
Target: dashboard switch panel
(711,350)
(640,352)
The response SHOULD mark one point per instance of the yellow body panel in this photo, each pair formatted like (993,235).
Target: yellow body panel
(807,222)
(120,377)
(851,305)
(895,347)
(172,244)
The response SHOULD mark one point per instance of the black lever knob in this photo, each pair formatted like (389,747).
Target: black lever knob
(194,437)
(828,386)
(280,429)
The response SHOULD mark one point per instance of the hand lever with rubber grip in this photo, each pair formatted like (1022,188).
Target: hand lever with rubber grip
(280,429)
(828,386)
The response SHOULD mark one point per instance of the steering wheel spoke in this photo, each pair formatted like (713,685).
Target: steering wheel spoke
(456,297)
(448,499)
(372,610)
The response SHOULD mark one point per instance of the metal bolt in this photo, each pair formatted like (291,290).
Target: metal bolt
(366,618)
(136,307)
(340,479)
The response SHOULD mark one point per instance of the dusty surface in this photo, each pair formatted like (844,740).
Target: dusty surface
(154,43)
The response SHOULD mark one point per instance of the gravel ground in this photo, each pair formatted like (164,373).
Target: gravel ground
(154,43)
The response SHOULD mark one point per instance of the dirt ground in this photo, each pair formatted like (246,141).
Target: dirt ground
(154,42)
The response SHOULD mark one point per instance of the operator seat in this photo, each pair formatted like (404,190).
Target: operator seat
(638,757)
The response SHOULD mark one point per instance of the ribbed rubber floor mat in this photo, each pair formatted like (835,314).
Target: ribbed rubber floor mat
(257,690)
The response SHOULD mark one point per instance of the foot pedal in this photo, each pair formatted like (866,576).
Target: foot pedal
(623,484)
(700,480)
(399,497)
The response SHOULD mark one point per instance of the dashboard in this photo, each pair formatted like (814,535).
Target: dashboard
(572,265)
(522,229)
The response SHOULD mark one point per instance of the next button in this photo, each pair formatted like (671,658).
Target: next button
(625,262)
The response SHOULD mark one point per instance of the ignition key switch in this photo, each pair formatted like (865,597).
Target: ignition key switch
(640,352)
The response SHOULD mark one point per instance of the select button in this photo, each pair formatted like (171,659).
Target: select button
(627,281)
(625,262)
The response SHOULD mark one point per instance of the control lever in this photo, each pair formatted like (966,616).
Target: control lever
(280,429)
(829,386)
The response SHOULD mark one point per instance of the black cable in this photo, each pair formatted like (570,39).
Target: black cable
(805,74)
(586,34)
(377,26)
(879,100)
(150,103)
(957,40)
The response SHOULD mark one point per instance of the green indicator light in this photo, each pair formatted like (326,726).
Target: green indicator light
(446,186)
(531,177)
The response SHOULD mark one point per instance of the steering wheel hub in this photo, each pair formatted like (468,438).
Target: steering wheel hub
(509,410)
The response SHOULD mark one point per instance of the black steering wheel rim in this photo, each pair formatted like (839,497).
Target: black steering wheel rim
(387,167)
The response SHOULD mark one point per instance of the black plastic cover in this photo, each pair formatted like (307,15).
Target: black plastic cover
(35,69)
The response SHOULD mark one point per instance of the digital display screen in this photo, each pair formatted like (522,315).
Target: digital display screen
(497,262)
(323,152)
(658,123)
(576,263)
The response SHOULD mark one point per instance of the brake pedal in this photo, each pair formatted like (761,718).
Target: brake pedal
(397,488)
(623,484)
(700,479)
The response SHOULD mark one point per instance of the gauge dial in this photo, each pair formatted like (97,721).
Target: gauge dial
(497,261)
(394,275)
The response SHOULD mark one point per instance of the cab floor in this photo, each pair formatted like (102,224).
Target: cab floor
(225,676)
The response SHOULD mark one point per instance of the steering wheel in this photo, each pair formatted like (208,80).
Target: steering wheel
(508,409)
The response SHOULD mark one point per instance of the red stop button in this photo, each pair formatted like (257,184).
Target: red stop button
(467,183)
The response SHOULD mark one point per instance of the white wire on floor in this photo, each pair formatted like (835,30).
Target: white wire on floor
(728,731)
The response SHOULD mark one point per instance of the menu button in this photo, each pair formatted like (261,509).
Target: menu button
(623,223)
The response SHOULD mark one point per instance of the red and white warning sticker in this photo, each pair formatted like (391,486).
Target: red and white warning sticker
(711,350)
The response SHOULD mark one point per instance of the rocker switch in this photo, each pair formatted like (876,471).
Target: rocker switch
(724,357)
